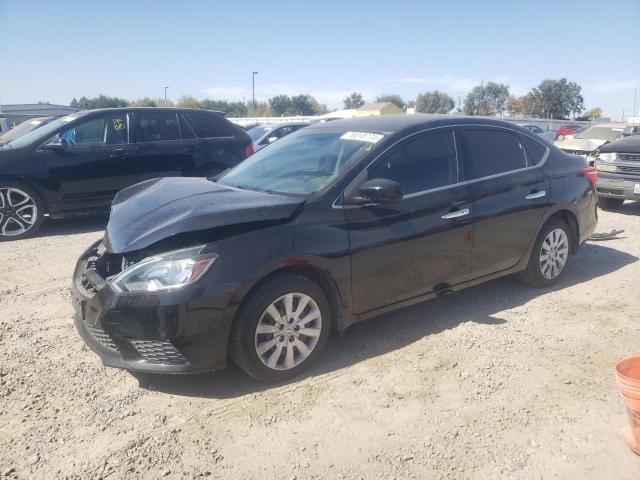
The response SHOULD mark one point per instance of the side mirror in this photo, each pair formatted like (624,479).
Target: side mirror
(56,143)
(379,190)
(272,139)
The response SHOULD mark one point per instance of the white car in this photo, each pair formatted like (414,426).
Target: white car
(263,135)
(587,142)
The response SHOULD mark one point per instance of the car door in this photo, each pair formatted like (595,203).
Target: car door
(421,243)
(92,161)
(160,149)
(509,194)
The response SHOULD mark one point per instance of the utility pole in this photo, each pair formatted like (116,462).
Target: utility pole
(253,88)
(635,102)
(165,96)
(623,110)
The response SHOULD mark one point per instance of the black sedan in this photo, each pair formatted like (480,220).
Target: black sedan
(331,225)
(76,164)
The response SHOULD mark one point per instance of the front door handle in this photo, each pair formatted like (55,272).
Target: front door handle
(534,195)
(118,152)
(456,214)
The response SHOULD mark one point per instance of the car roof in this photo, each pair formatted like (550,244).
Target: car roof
(389,124)
(609,125)
(142,109)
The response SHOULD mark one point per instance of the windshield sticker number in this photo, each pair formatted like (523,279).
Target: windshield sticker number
(362,137)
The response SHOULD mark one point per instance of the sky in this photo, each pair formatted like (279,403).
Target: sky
(56,50)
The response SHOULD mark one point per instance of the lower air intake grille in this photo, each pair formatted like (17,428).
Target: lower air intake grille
(159,351)
(101,337)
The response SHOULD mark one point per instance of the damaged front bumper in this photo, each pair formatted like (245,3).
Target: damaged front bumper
(179,331)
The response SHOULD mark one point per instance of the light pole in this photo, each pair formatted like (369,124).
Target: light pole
(253,88)
(165,96)
(623,110)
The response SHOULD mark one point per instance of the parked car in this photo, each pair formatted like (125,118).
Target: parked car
(24,128)
(587,142)
(566,130)
(618,168)
(548,136)
(76,164)
(331,225)
(263,135)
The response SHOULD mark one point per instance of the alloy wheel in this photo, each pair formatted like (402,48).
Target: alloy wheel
(18,211)
(554,253)
(288,331)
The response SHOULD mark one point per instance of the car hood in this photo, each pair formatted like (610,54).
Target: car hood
(151,211)
(626,145)
(585,144)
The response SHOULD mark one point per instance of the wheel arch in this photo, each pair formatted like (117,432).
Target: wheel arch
(30,184)
(568,217)
(317,275)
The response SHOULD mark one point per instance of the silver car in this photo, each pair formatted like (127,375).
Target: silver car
(548,136)
(263,135)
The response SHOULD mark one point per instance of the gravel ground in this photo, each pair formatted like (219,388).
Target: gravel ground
(498,381)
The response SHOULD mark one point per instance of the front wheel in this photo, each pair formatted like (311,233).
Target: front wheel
(281,329)
(21,211)
(549,256)
(609,203)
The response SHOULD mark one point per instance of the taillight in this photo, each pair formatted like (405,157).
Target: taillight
(248,150)
(591,174)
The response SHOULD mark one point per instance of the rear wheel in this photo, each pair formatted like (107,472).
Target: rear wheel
(549,256)
(610,203)
(281,329)
(21,211)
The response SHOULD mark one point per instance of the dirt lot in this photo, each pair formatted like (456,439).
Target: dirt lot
(499,381)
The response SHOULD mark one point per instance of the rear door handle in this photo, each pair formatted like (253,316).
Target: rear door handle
(456,214)
(534,195)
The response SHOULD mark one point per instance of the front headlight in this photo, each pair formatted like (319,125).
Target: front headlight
(608,156)
(168,271)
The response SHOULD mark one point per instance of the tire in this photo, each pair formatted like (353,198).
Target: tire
(21,211)
(540,273)
(608,203)
(283,340)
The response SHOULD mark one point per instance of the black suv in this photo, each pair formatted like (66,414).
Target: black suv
(330,225)
(76,164)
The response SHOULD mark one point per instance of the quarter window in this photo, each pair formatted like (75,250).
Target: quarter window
(207,125)
(421,164)
(489,151)
(105,130)
(158,126)
(535,150)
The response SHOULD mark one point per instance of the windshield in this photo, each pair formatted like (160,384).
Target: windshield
(300,164)
(42,133)
(610,134)
(22,129)
(256,132)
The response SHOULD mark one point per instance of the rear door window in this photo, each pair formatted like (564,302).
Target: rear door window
(158,126)
(491,151)
(422,163)
(208,125)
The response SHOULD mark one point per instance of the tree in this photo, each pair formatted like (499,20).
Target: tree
(101,101)
(395,99)
(593,113)
(353,101)
(487,100)
(73,103)
(304,104)
(556,99)
(259,109)
(187,101)
(143,102)
(519,105)
(434,102)
(280,105)
(230,109)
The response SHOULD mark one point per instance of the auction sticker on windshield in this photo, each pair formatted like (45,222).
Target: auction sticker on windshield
(362,137)
(636,189)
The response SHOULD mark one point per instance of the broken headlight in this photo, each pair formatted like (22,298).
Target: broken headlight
(167,271)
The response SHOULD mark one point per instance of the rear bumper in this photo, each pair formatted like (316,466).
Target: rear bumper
(617,186)
(183,331)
